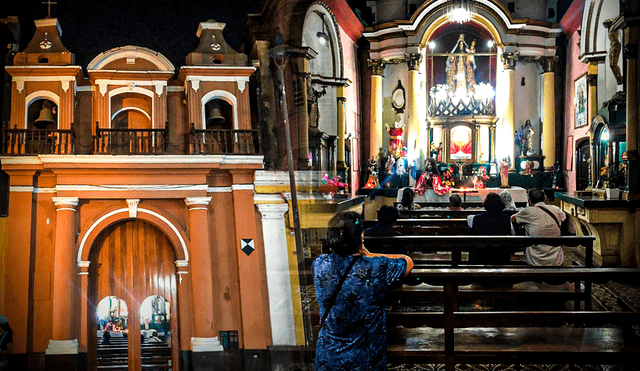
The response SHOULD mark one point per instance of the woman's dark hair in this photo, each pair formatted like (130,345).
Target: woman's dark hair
(344,236)
(493,203)
(455,200)
(407,197)
(388,215)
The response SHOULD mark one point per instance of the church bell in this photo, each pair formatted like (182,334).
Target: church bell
(215,117)
(46,117)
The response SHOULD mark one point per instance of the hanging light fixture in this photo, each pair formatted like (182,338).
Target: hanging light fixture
(323,38)
(460,11)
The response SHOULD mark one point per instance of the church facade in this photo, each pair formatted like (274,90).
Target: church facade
(144,196)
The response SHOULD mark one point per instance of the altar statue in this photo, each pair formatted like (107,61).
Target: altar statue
(504,172)
(430,179)
(460,68)
(395,140)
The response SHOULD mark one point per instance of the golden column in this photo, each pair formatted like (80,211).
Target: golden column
(375,124)
(592,112)
(341,128)
(548,112)
(64,271)
(631,56)
(508,118)
(301,56)
(412,119)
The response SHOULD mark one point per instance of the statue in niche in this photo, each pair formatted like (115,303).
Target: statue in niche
(460,68)
(529,133)
(312,104)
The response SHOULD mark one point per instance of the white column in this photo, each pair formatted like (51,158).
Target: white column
(276,255)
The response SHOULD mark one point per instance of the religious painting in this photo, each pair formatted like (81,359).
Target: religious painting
(580,101)
(460,143)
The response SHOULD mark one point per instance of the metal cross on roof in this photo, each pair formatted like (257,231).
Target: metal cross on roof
(49,3)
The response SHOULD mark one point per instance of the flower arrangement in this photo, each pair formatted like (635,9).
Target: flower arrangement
(448,178)
(480,178)
(611,178)
(335,184)
(520,140)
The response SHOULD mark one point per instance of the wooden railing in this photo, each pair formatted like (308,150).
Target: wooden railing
(224,141)
(37,141)
(131,141)
(126,141)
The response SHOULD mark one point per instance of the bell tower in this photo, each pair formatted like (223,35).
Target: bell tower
(216,82)
(44,80)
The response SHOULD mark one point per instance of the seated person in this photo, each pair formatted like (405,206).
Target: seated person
(540,219)
(509,204)
(106,338)
(387,215)
(154,337)
(407,200)
(455,201)
(490,223)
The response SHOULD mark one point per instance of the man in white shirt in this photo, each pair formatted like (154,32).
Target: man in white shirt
(540,219)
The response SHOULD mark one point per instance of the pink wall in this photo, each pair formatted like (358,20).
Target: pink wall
(575,69)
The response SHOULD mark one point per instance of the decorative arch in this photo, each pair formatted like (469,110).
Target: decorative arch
(166,224)
(317,13)
(40,94)
(128,52)
(133,89)
(433,15)
(130,109)
(219,94)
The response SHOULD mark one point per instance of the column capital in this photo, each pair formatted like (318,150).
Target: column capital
(69,203)
(194,202)
(413,60)
(272,211)
(377,66)
(509,60)
(548,63)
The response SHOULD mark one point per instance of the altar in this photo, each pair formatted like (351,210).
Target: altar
(518,194)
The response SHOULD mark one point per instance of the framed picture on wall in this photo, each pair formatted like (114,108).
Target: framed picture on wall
(580,101)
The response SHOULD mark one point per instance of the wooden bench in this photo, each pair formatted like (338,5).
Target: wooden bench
(451,336)
(438,226)
(521,337)
(455,245)
(434,213)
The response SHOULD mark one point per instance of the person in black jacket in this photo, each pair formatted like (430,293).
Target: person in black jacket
(491,223)
(387,215)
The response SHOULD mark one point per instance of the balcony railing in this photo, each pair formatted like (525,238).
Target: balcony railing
(37,141)
(127,142)
(222,141)
(131,141)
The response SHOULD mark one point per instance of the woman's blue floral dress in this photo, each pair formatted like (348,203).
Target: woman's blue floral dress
(354,336)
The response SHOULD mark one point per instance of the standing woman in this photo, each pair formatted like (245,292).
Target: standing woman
(6,341)
(351,284)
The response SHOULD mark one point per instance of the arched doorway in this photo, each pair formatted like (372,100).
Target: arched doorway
(132,260)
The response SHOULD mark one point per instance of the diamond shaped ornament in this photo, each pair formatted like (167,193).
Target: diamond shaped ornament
(246,245)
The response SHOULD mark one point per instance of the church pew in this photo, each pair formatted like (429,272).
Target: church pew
(434,213)
(457,244)
(451,336)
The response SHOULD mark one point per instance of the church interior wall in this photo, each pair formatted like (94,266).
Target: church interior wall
(527,96)
(574,70)
(392,73)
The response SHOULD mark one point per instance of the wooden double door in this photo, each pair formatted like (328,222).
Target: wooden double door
(132,260)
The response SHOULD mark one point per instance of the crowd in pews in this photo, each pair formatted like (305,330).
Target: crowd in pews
(458,257)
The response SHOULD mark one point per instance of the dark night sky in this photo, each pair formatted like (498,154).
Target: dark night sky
(90,27)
